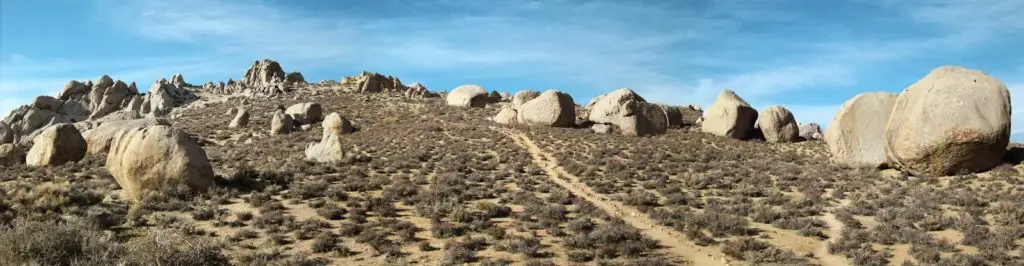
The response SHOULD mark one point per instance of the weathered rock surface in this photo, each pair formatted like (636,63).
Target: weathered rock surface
(778,125)
(263,73)
(281,123)
(630,113)
(56,145)
(507,115)
(154,157)
(811,131)
(6,133)
(552,108)
(11,155)
(523,96)
(954,120)
(241,119)
(601,128)
(856,137)
(467,96)
(306,113)
(46,103)
(336,124)
(730,116)
(98,139)
(330,148)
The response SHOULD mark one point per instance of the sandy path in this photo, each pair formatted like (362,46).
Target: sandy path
(674,242)
(835,229)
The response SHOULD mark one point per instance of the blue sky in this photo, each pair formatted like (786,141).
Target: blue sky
(809,56)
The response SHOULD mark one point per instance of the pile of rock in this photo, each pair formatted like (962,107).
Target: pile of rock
(625,112)
(552,108)
(368,82)
(264,77)
(954,120)
(104,99)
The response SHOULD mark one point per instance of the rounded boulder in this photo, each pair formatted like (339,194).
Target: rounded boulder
(778,124)
(152,158)
(552,108)
(954,120)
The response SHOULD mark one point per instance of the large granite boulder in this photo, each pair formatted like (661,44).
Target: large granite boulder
(954,120)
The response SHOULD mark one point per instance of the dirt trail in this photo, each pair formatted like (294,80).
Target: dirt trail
(674,242)
(835,229)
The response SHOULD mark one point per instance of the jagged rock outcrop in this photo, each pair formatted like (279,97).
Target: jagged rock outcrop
(467,96)
(56,145)
(628,112)
(295,78)
(264,73)
(730,116)
(552,108)
(368,82)
(777,124)
(105,100)
(377,83)
(11,155)
(418,91)
(305,113)
(151,158)
(330,148)
(953,121)
(241,119)
(178,81)
(856,137)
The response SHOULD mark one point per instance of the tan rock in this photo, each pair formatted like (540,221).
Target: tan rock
(630,113)
(306,113)
(507,115)
(56,145)
(954,120)
(856,137)
(778,125)
(98,139)
(552,108)
(730,116)
(336,124)
(152,158)
(240,120)
(281,123)
(467,96)
(523,96)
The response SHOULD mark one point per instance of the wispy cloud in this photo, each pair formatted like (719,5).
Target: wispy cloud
(677,52)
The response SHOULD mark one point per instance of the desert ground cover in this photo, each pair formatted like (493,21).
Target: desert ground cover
(430,184)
